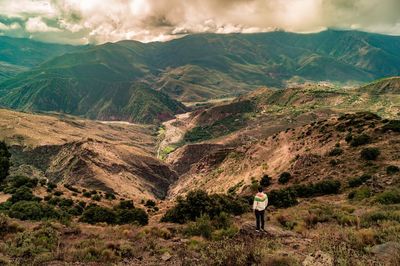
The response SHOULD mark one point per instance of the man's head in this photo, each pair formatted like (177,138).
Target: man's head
(260,189)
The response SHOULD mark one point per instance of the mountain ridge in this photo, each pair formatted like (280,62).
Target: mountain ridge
(198,67)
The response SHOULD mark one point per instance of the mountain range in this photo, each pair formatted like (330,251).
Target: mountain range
(140,82)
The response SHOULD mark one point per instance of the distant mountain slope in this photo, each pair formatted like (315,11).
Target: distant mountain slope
(383,86)
(195,68)
(18,54)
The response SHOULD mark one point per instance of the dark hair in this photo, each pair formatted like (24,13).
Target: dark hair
(260,189)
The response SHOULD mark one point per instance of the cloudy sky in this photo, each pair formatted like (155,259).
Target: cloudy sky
(98,21)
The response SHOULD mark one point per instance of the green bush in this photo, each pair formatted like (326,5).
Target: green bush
(393,125)
(348,138)
(126,205)
(201,227)
(376,217)
(321,188)
(360,194)
(65,202)
(370,154)
(87,194)
(358,181)
(58,193)
(54,201)
(96,197)
(335,152)
(23,194)
(360,140)
(265,181)
(282,198)
(150,204)
(389,197)
(198,203)
(97,214)
(27,245)
(392,169)
(19,181)
(4,161)
(129,216)
(284,178)
(51,186)
(110,196)
(32,210)
(6,227)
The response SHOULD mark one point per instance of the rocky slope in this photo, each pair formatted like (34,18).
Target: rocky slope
(112,157)
(272,131)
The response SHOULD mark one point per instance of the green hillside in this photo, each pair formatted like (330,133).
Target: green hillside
(18,54)
(96,82)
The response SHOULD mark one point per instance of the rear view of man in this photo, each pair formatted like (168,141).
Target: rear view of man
(259,205)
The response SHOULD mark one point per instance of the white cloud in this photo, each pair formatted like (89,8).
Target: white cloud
(36,24)
(149,20)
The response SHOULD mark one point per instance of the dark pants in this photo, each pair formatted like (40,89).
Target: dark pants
(260,218)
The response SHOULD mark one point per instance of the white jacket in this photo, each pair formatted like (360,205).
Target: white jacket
(260,201)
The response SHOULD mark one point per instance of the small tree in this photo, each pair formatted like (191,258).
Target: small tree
(370,154)
(4,161)
(265,181)
(284,178)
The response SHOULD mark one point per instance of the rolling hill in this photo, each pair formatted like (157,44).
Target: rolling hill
(19,54)
(93,81)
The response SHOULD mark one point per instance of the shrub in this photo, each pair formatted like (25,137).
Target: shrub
(65,202)
(389,197)
(370,154)
(87,194)
(19,181)
(43,239)
(58,193)
(349,138)
(54,201)
(324,187)
(393,125)
(284,178)
(360,140)
(126,205)
(51,186)
(201,227)
(5,156)
(6,227)
(358,181)
(96,197)
(392,169)
(32,210)
(360,194)
(282,198)
(375,217)
(23,194)
(97,214)
(150,203)
(265,181)
(335,152)
(128,216)
(198,203)
(110,196)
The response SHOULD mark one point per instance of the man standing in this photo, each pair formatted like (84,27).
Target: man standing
(259,205)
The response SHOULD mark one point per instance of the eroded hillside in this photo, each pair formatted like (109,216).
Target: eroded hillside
(110,156)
